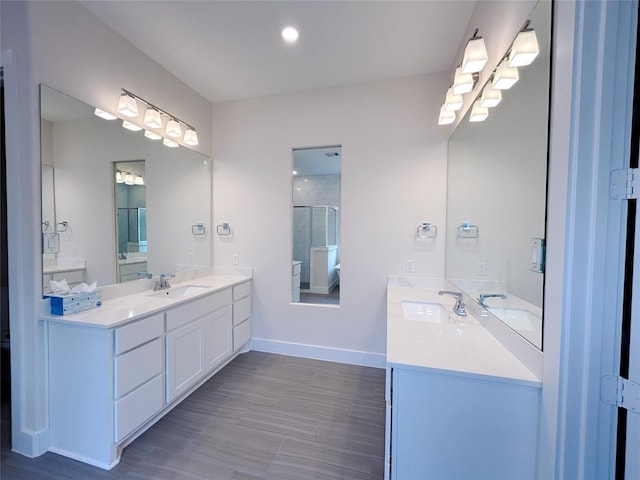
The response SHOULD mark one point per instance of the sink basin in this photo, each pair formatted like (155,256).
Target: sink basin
(182,291)
(424,312)
(518,319)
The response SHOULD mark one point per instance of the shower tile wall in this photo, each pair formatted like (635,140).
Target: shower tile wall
(311,190)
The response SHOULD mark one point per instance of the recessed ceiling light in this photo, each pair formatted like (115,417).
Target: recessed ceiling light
(289,34)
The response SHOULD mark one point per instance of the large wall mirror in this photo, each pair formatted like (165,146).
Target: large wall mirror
(496,199)
(87,210)
(315,261)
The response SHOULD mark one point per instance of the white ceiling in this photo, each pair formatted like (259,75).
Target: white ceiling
(228,50)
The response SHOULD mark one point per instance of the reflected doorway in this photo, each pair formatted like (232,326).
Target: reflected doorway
(316,225)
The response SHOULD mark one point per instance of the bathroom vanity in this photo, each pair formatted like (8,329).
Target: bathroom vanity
(459,404)
(117,369)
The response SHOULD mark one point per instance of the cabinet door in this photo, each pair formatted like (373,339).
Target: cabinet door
(185,359)
(217,337)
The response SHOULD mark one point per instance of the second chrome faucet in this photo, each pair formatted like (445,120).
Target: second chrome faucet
(459,308)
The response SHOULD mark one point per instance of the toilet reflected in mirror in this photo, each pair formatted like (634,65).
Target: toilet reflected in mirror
(315,265)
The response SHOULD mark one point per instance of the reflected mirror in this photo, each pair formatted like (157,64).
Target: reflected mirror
(315,265)
(496,199)
(84,153)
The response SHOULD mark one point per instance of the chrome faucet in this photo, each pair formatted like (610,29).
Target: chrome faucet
(146,275)
(163,283)
(459,308)
(484,296)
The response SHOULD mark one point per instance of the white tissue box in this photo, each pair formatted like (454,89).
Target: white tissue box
(74,302)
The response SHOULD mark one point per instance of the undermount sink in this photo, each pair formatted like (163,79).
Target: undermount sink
(517,318)
(182,291)
(424,312)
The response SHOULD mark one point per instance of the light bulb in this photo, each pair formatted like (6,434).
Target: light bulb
(127,106)
(446,116)
(190,137)
(173,129)
(490,97)
(453,102)
(462,82)
(478,113)
(524,49)
(475,56)
(505,77)
(152,118)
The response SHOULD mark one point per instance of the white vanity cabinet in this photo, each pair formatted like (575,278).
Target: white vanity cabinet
(453,426)
(110,380)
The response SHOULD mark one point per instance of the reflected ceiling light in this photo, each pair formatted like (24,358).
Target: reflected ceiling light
(290,34)
(524,49)
(475,55)
(478,113)
(138,180)
(152,118)
(295,172)
(173,129)
(119,177)
(446,116)
(128,179)
(131,126)
(127,106)
(453,102)
(490,97)
(190,137)
(103,114)
(462,82)
(169,143)
(505,77)
(152,135)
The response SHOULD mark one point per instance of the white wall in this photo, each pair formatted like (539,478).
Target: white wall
(62,45)
(393,178)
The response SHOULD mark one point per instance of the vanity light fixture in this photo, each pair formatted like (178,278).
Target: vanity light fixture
(152,118)
(505,77)
(138,180)
(290,34)
(103,114)
(152,135)
(446,116)
(128,179)
(463,82)
(475,54)
(525,47)
(173,129)
(131,126)
(127,105)
(490,97)
(478,112)
(453,102)
(119,177)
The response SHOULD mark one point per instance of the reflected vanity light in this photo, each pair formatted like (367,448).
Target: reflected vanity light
(128,179)
(152,135)
(505,77)
(453,102)
(462,82)
(295,172)
(127,106)
(131,126)
(290,34)
(478,112)
(524,49)
(446,116)
(475,54)
(170,143)
(490,97)
(119,177)
(138,180)
(103,114)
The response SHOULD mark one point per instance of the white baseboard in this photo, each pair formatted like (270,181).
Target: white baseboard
(353,357)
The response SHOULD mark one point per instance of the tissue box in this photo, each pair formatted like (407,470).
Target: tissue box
(74,302)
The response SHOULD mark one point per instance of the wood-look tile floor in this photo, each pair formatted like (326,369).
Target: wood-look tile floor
(264,416)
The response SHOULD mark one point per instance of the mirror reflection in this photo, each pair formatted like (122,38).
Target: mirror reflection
(315,266)
(496,199)
(85,153)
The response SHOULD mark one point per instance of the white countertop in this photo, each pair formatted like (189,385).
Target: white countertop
(121,310)
(457,345)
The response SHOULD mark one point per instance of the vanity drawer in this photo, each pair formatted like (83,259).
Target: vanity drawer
(241,310)
(241,334)
(137,366)
(137,333)
(242,290)
(197,308)
(137,407)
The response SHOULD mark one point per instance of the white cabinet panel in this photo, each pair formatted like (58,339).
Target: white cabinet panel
(241,334)
(241,310)
(185,362)
(137,407)
(137,333)
(218,337)
(137,366)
